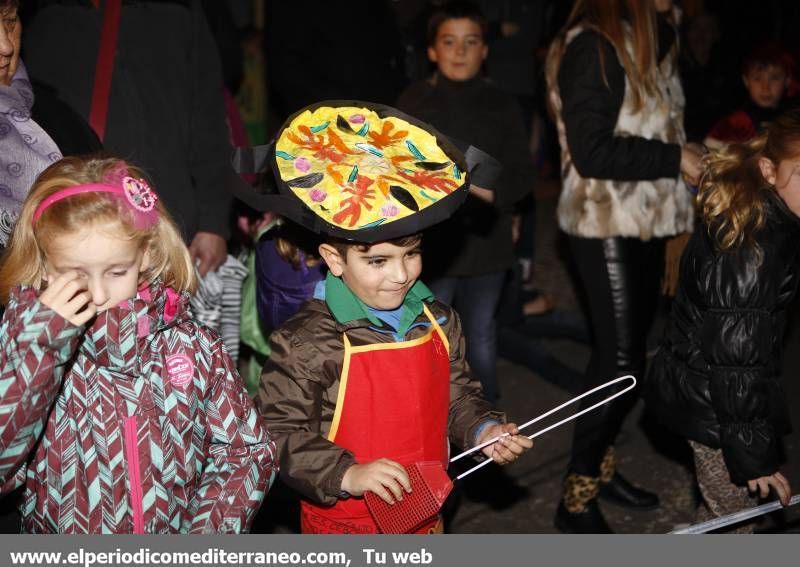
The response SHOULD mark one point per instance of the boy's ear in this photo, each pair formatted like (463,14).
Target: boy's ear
(767,170)
(332,258)
(432,57)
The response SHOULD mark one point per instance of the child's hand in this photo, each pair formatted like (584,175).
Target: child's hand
(507,449)
(68,296)
(776,481)
(388,479)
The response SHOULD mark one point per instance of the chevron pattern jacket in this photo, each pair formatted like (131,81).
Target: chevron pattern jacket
(139,423)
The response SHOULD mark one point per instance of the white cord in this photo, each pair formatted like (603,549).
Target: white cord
(736,517)
(546,414)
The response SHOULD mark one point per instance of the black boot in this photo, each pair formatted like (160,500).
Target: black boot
(590,521)
(621,492)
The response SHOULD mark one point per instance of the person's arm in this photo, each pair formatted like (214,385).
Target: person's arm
(241,458)
(590,109)
(35,345)
(210,149)
(290,400)
(736,339)
(517,178)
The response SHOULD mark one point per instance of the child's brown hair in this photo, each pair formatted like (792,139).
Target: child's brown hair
(24,260)
(342,246)
(296,245)
(456,11)
(768,55)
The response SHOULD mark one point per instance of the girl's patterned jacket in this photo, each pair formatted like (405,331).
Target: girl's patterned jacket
(137,424)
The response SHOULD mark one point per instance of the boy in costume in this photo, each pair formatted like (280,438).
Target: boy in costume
(370,376)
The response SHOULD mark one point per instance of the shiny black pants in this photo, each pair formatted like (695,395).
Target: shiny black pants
(620,279)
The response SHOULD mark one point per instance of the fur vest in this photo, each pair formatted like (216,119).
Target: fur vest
(605,208)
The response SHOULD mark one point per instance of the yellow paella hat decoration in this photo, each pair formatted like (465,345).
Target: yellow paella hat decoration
(361,171)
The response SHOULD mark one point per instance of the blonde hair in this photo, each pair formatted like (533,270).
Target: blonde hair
(24,260)
(608,17)
(730,198)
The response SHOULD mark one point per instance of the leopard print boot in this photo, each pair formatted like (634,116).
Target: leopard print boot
(578,512)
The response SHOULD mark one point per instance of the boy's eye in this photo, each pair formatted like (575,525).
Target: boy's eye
(376,262)
(119,273)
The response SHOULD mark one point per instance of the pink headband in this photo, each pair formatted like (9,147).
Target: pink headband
(138,196)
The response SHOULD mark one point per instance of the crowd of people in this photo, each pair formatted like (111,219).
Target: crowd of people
(181,327)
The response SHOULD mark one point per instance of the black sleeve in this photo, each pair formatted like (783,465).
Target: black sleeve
(71,133)
(228,41)
(590,109)
(517,178)
(209,159)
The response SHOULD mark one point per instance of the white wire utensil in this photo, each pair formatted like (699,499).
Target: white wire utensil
(546,414)
(736,517)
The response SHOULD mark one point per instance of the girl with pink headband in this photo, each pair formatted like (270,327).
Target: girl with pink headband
(120,413)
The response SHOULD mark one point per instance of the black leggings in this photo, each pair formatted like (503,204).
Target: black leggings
(620,277)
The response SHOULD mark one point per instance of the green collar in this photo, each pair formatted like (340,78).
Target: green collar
(346,306)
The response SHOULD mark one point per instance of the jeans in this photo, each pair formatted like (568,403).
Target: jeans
(520,344)
(518,336)
(475,298)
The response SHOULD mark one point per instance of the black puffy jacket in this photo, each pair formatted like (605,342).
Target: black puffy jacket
(715,378)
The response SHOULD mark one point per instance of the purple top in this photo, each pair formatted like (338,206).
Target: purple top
(280,288)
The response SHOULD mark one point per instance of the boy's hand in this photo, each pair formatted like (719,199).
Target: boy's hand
(777,481)
(505,450)
(388,479)
(67,295)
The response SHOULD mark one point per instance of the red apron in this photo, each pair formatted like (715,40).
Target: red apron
(393,403)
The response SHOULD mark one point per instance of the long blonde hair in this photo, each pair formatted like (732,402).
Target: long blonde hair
(730,198)
(24,260)
(608,18)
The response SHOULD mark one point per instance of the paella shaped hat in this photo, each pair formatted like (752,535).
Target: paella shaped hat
(361,171)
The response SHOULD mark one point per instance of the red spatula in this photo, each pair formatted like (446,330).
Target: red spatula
(430,487)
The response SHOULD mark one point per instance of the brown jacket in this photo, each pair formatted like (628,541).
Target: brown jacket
(300,383)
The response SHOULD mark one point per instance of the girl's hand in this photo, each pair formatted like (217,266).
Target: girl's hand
(67,295)
(386,478)
(776,481)
(505,450)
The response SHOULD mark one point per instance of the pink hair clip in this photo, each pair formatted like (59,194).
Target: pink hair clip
(139,194)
